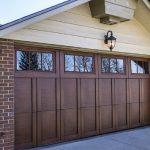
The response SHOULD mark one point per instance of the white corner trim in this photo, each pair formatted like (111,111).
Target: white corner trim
(147,3)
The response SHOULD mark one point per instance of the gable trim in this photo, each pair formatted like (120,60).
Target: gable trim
(39,16)
(147,3)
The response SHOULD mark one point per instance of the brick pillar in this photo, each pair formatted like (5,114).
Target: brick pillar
(6,94)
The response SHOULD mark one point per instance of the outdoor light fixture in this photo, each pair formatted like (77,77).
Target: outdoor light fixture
(110,40)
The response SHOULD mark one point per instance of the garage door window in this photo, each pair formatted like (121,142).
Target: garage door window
(35,61)
(75,63)
(112,65)
(139,67)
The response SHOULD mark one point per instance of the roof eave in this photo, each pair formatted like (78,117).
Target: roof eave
(39,16)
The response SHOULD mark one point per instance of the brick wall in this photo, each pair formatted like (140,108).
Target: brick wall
(6,94)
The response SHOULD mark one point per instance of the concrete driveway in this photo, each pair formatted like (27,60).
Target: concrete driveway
(136,139)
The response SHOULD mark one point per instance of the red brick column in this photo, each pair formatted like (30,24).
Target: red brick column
(6,94)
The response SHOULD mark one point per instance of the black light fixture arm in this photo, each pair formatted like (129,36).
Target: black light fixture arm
(106,36)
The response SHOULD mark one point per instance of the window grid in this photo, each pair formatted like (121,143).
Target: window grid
(81,63)
(139,67)
(34,61)
(112,65)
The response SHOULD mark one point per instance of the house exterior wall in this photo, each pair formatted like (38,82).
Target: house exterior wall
(6,94)
(76,28)
(143,13)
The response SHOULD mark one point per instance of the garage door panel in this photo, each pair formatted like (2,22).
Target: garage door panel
(121,113)
(88,93)
(134,90)
(105,91)
(52,108)
(134,114)
(23,102)
(88,121)
(24,130)
(69,124)
(145,111)
(46,94)
(47,127)
(69,93)
(145,90)
(120,91)
(106,118)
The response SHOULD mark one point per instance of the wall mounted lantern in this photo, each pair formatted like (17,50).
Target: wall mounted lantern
(110,40)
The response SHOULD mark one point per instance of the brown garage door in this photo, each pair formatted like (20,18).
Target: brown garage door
(62,96)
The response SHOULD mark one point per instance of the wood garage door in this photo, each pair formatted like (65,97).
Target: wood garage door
(55,103)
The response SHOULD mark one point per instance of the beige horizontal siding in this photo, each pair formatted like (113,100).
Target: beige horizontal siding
(143,14)
(76,28)
(129,27)
(87,32)
(75,41)
(83,10)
